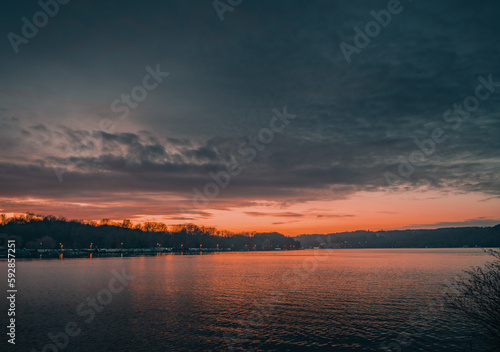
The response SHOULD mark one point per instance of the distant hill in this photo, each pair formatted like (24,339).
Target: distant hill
(438,238)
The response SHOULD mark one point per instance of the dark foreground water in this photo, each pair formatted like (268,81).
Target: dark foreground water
(311,300)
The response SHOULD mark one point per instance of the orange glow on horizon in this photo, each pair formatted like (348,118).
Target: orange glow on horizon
(363,211)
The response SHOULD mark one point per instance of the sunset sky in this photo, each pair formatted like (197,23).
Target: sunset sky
(71,145)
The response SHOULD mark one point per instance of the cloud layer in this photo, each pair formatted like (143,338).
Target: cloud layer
(354,123)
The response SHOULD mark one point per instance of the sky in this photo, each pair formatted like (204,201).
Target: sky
(288,116)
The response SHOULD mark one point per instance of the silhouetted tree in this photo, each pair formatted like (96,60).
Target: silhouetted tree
(47,242)
(127,224)
(104,222)
(478,299)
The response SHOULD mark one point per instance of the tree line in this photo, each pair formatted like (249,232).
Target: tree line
(49,232)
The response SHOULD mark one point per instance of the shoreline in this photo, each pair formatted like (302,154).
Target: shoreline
(147,252)
(134,252)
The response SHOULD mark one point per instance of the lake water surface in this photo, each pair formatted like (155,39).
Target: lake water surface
(310,300)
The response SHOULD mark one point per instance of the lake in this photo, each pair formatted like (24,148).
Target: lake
(308,300)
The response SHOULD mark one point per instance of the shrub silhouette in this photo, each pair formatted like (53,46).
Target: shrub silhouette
(477,297)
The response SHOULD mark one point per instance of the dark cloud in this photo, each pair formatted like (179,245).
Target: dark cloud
(283,222)
(354,121)
(284,215)
(481,221)
(335,216)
